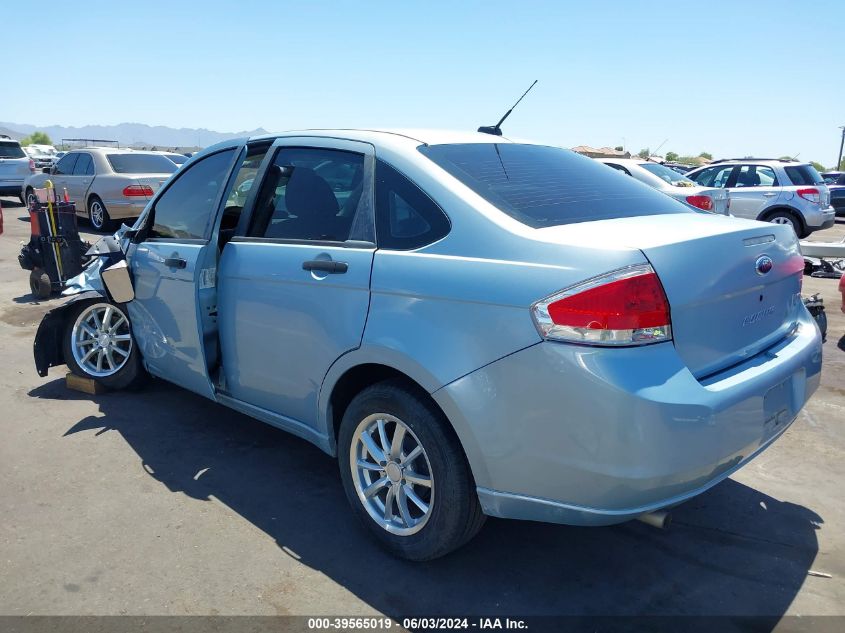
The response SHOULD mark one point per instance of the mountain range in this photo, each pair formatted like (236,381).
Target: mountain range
(128,134)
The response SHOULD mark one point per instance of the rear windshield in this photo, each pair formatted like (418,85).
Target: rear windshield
(141,164)
(804,175)
(177,158)
(11,150)
(667,174)
(548,186)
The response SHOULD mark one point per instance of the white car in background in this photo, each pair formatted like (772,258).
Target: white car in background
(15,167)
(673,184)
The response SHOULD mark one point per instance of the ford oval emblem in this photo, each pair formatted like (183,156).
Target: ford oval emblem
(764,264)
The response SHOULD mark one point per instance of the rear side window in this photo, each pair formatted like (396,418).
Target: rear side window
(185,209)
(548,186)
(84,165)
(141,164)
(801,175)
(756,176)
(11,150)
(406,218)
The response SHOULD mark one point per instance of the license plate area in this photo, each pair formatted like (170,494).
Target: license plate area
(779,406)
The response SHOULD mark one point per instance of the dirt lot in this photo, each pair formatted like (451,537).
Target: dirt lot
(160,502)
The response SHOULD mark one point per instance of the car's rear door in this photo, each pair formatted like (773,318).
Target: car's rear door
(173,270)
(753,188)
(294,285)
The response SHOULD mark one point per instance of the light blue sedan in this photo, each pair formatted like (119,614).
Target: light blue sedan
(474,327)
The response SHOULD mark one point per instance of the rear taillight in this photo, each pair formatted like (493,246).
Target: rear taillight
(31,166)
(810,194)
(702,202)
(134,191)
(624,307)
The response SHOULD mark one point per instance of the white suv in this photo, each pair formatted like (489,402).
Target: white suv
(15,167)
(779,191)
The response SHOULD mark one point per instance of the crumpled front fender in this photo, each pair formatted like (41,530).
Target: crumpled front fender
(47,348)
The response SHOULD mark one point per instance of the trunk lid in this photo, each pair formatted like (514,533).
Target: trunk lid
(153,181)
(723,310)
(14,168)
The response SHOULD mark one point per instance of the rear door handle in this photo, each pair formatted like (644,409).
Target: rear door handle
(175,262)
(770,194)
(326,266)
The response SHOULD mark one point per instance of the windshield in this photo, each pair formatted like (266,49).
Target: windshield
(548,186)
(668,175)
(11,150)
(141,164)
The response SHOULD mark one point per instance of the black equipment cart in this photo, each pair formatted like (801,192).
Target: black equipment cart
(55,251)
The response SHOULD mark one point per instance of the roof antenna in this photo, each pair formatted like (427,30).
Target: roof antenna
(496,130)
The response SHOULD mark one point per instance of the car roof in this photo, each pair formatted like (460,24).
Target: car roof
(756,161)
(626,161)
(411,135)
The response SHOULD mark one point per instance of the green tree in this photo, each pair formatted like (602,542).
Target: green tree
(841,165)
(706,155)
(619,148)
(819,167)
(36,138)
(644,153)
(671,157)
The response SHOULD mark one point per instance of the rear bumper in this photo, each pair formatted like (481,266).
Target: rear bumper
(586,436)
(120,209)
(824,219)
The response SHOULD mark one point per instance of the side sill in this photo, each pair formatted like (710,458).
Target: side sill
(282,422)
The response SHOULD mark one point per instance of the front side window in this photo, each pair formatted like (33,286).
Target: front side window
(309,194)
(548,186)
(714,176)
(185,209)
(406,218)
(84,165)
(65,166)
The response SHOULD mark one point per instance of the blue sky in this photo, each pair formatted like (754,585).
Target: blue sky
(732,78)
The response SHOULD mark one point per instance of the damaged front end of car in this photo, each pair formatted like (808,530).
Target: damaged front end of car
(104,276)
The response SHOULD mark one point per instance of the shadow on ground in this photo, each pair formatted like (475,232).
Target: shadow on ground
(733,550)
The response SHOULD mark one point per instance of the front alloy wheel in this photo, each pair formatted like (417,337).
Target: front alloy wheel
(392,474)
(100,340)
(98,344)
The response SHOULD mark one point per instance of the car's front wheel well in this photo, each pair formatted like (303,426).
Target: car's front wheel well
(359,378)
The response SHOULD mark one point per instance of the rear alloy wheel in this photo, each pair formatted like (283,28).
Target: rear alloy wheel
(98,344)
(98,215)
(785,217)
(405,474)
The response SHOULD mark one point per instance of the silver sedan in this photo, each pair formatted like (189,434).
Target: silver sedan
(106,184)
(672,184)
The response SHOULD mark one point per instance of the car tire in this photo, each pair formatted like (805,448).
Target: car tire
(127,372)
(787,217)
(454,513)
(29,198)
(39,283)
(98,215)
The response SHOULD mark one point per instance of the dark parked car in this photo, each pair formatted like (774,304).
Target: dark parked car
(835,181)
